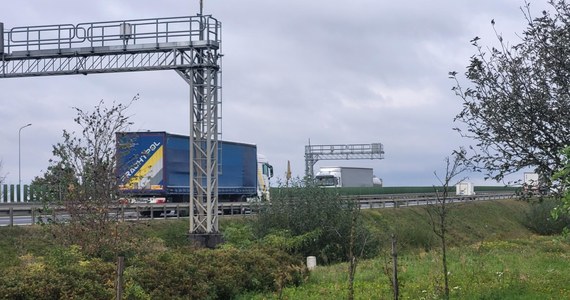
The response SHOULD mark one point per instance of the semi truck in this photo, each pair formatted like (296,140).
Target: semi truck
(153,167)
(344,177)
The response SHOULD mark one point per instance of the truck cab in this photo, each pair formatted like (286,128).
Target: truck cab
(264,175)
(326,180)
(328,177)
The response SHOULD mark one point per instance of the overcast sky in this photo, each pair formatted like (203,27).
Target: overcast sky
(334,72)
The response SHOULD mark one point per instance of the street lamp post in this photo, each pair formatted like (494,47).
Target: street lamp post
(19,154)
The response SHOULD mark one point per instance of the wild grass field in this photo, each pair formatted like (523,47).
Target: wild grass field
(530,268)
(493,256)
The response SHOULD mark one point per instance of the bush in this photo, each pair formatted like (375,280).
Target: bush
(210,274)
(62,274)
(309,220)
(539,217)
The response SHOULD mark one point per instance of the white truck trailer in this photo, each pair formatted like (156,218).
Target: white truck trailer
(344,177)
(532,184)
(465,188)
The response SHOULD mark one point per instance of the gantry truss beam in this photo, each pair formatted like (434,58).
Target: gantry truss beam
(188,45)
(176,58)
(106,47)
(314,153)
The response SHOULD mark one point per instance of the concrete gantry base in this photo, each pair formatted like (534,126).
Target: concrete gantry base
(209,240)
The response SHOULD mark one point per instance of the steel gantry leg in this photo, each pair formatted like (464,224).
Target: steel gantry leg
(204,137)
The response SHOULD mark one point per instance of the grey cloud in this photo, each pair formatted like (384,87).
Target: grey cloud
(355,71)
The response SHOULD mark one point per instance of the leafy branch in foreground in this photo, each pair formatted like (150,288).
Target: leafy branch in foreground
(516,105)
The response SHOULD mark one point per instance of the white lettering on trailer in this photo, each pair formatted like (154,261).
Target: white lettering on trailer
(140,161)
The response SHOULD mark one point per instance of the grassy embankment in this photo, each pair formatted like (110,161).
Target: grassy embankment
(493,256)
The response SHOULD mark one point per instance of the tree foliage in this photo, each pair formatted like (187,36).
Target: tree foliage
(562,210)
(517,103)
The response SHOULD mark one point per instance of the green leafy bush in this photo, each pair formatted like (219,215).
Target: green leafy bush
(62,274)
(539,217)
(317,221)
(157,273)
(210,274)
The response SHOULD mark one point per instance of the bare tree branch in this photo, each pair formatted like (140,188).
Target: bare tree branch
(82,173)
(438,213)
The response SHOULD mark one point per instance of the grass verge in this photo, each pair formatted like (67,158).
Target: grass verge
(493,256)
(534,268)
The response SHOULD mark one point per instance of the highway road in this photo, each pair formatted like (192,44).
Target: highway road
(14,214)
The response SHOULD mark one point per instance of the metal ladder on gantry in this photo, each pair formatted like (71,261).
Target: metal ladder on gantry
(188,45)
(314,153)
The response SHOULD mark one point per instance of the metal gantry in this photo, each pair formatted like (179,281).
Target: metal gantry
(314,153)
(188,45)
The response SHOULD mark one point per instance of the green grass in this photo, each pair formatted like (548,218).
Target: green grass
(493,256)
(533,268)
(468,223)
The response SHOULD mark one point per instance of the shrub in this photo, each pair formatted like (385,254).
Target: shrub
(238,234)
(187,273)
(62,274)
(539,217)
(316,220)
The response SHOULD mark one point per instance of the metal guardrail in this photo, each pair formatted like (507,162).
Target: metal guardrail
(376,202)
(133,211)
(39,212)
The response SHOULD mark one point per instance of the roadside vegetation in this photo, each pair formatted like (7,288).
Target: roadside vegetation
(492,255)
(529,268)
(479,250)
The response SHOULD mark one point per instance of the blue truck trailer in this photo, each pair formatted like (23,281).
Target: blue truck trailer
(154,167)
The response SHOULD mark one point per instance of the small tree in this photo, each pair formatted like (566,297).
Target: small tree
(516,105)
(356,241)
(82,178)
(439,211)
